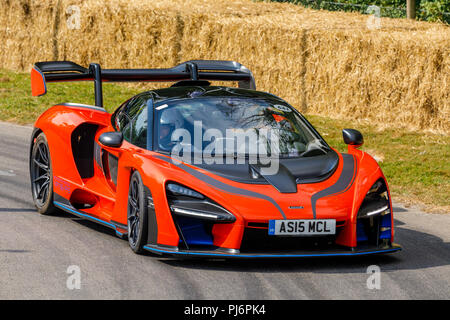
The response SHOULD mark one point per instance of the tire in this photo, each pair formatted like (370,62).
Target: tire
(41,176)
(137,213)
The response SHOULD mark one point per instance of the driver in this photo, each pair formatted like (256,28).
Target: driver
(170,120)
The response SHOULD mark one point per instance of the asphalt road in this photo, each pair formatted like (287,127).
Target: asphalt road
(36,251)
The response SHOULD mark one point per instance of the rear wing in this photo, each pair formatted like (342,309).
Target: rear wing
(195,70)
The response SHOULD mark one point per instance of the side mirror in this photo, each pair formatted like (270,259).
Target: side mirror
(112,139)
(353,137)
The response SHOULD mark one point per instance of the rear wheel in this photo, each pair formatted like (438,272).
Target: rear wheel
(137,213)
(41,176)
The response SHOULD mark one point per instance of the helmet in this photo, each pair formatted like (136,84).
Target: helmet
(169,121)
(171,117)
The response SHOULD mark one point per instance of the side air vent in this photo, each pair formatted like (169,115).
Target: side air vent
(83,149)
(113,162)
(81,199)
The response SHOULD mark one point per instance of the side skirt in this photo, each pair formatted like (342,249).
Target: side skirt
(64,204)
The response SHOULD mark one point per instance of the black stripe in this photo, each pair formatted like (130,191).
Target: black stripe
(345,181)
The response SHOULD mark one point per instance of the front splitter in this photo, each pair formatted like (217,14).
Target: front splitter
(218,253)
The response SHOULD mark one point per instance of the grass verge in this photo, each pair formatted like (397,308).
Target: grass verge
(416,164)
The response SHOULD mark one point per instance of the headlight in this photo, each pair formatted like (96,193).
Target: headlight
(376,201)
(373,225)
(186,202)
(177,190)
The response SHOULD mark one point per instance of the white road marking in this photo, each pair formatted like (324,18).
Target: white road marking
(9,173)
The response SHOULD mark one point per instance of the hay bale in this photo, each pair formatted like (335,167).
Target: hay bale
(327,63)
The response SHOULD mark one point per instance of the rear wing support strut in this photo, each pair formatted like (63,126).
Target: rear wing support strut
(96,71)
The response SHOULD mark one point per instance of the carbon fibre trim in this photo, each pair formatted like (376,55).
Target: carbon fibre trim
(283,180)
(60,199)
(223,186)
(345,181)
(98,155)
(152,222)
(119,225)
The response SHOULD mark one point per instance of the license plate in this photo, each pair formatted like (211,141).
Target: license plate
(302,227)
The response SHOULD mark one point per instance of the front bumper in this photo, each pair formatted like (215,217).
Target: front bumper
(232,253)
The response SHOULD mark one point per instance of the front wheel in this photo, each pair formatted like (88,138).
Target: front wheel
(41,176)
(137,213)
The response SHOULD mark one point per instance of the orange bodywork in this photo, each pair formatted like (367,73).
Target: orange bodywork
(38,86)
(108,200)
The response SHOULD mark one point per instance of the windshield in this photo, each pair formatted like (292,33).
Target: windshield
(240,126)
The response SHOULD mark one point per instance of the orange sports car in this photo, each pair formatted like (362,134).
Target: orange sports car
(196,170)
